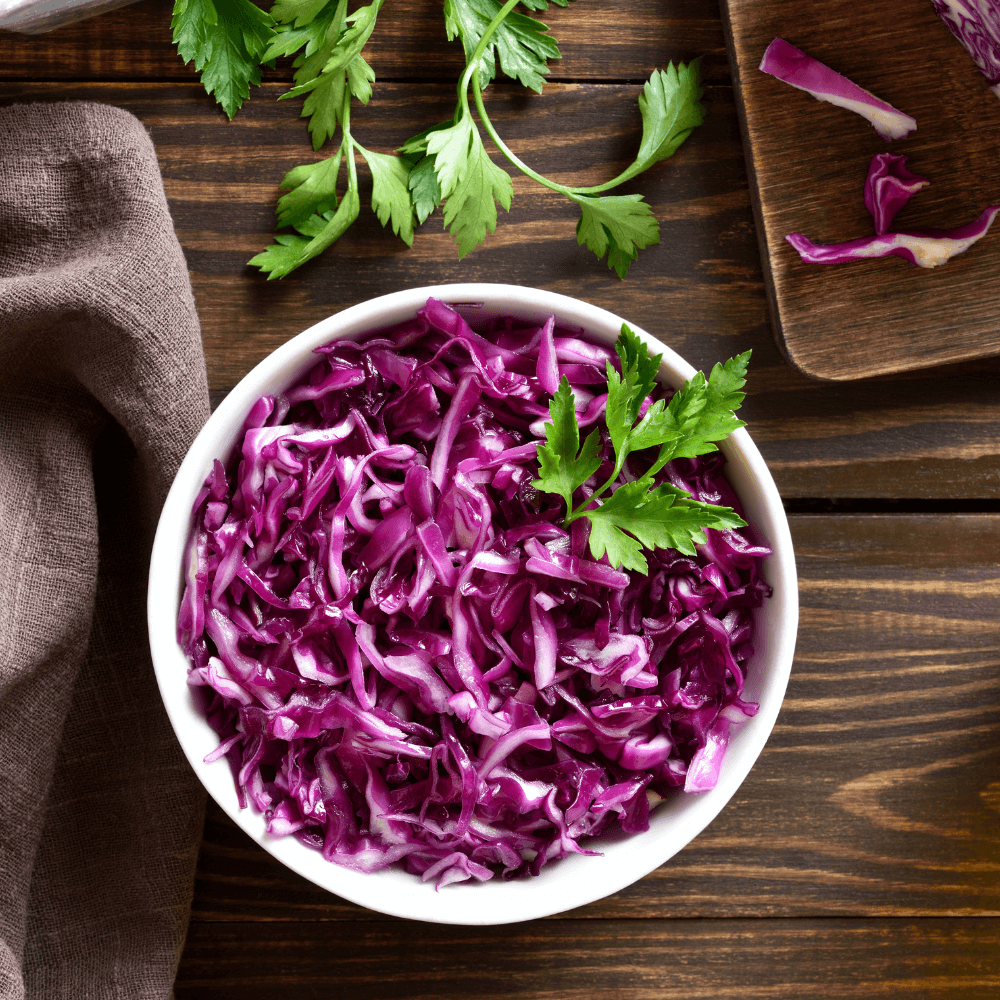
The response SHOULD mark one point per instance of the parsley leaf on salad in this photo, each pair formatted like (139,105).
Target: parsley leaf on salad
(640,513)
(636,516)
(563,466)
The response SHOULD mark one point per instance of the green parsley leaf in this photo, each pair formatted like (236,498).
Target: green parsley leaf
(322,29)
(627,392)
(227,40)
(332,62)
(633,353)
(356,37)
(617,225)
(726,382)
(282,256)
(424,188)
(297,12)
(416,145)
(291,251)
(471,183)
(561,469)
(634,516)
(314,225)
(360,77)
(618,410)
(312,187)
(520,42)
(698,416)
(670,105)
(321,32)
(288,39)
(450,148)
(318,39)
(323,106)
(620,259)
(390,193)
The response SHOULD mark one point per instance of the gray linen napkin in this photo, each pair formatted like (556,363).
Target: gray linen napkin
(102,388)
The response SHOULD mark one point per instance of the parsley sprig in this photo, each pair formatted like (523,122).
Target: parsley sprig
(641,514)
(448,164)
(616,226)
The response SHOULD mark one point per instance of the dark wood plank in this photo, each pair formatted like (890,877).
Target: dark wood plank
(924,434)
(611,40)
(809,161)
(596,960)
(879,791)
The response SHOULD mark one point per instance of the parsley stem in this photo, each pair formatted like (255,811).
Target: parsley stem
(577,512)
(665,455)
(626,175)
(507,152)
(472,66)
(570,192)
(471,75)
(345,127)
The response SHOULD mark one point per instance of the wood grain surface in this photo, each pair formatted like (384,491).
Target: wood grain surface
(597,960)
(808,162)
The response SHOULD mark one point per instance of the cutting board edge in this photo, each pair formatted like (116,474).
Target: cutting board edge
(774,311)
(846,373)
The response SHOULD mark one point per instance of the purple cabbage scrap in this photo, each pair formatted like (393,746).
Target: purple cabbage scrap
(406,657)
(796,68)
(890,185)
(976,24)
(924,248)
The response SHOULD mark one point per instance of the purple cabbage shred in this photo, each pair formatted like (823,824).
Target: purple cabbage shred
(804,72)
(888,187)
(976,24)
(407,659)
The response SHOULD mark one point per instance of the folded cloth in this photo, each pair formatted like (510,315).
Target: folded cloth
(102,388)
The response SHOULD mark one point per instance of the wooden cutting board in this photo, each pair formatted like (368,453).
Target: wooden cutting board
(808,161)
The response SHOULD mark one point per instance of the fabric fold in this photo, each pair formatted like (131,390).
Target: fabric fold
(102,389)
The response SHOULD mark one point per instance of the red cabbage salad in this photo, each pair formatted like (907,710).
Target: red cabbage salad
(408,659)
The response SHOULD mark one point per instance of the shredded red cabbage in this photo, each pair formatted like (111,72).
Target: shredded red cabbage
(976,24)
(405,656)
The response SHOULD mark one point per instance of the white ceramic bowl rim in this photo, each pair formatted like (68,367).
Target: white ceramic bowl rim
(562,885)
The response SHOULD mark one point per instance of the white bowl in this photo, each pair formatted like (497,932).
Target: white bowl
(572,881)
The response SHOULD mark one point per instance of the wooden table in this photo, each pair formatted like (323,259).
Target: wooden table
(862,854)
